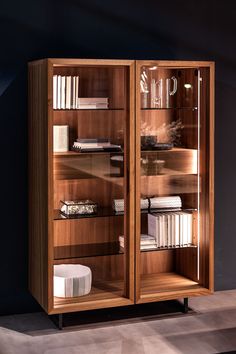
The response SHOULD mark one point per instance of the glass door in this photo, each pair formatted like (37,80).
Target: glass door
(92,117)
(172,240)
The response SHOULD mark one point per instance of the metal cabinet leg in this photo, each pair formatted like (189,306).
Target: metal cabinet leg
(57,320)
(185,305)
(60,321)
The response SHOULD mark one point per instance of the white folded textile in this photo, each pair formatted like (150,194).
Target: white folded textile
(72,280)
(155,203)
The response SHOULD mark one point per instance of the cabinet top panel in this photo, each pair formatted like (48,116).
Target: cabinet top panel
(126,62)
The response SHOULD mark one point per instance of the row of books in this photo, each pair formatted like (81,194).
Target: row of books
(95,145)
(171,229)
(65,92)
(171,203)
(66,95)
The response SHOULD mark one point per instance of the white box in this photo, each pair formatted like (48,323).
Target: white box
(60,138)
(72,280)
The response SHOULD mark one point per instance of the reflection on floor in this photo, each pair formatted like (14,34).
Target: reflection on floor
(209,328)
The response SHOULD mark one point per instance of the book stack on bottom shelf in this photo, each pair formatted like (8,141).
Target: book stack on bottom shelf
(147,242)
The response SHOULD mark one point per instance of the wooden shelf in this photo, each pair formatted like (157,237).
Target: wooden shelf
(87,250)
(101,213)
(175,149)
(79,154)
(166,282)
(168,248)
(90,109)
(101,290)
(170,108)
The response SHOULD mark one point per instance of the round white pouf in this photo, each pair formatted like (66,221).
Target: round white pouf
(72,280)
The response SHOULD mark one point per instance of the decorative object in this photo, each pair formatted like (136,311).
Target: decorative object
(163,203)
(72,280)
(148,141)
(118,161)
(165,134)
(60,138)
(170,92)
(144,89)
(163,146)
(78,207)
(152,167)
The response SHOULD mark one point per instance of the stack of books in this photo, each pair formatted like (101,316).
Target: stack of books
(65,92)
(172,203)
(95,145)
(147,242)
(171,229)
(93,103)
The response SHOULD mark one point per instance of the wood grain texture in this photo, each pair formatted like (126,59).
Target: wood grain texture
(157,262)
(40,223)
(88,230)
(105,268)
(167,286)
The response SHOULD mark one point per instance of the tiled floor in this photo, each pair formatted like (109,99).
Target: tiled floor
(211,328)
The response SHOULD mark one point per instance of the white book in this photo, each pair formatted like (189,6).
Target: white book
(92,100)
(190,221)
(186,229)
(152,225)
(54,91)
(73,92)
(169,238)
(160,231)
(177,229)
(68,92)
(173,230)
(76,91)
(165,230)
(148,247)
(181,230)
(86,106)
(147,239)
(59,91)
(63,92)
(162,228)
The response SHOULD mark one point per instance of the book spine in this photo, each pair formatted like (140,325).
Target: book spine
(59,91)
(73,92)
(68,92)
(177,230)
(54,91)
(76,91)
(63,92)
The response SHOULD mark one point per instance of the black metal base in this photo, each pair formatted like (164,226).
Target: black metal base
(57,320)
(102,314)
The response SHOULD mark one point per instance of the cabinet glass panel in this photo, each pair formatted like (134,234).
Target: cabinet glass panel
(172,161)
(91,169)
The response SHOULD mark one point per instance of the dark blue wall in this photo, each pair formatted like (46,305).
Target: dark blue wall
(201,30)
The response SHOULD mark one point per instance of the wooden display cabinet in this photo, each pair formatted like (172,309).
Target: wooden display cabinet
(121,276)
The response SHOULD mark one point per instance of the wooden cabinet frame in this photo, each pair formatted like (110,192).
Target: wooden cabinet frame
(41,256)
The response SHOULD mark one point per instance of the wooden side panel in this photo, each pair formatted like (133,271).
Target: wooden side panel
(38,182)
(206,274)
